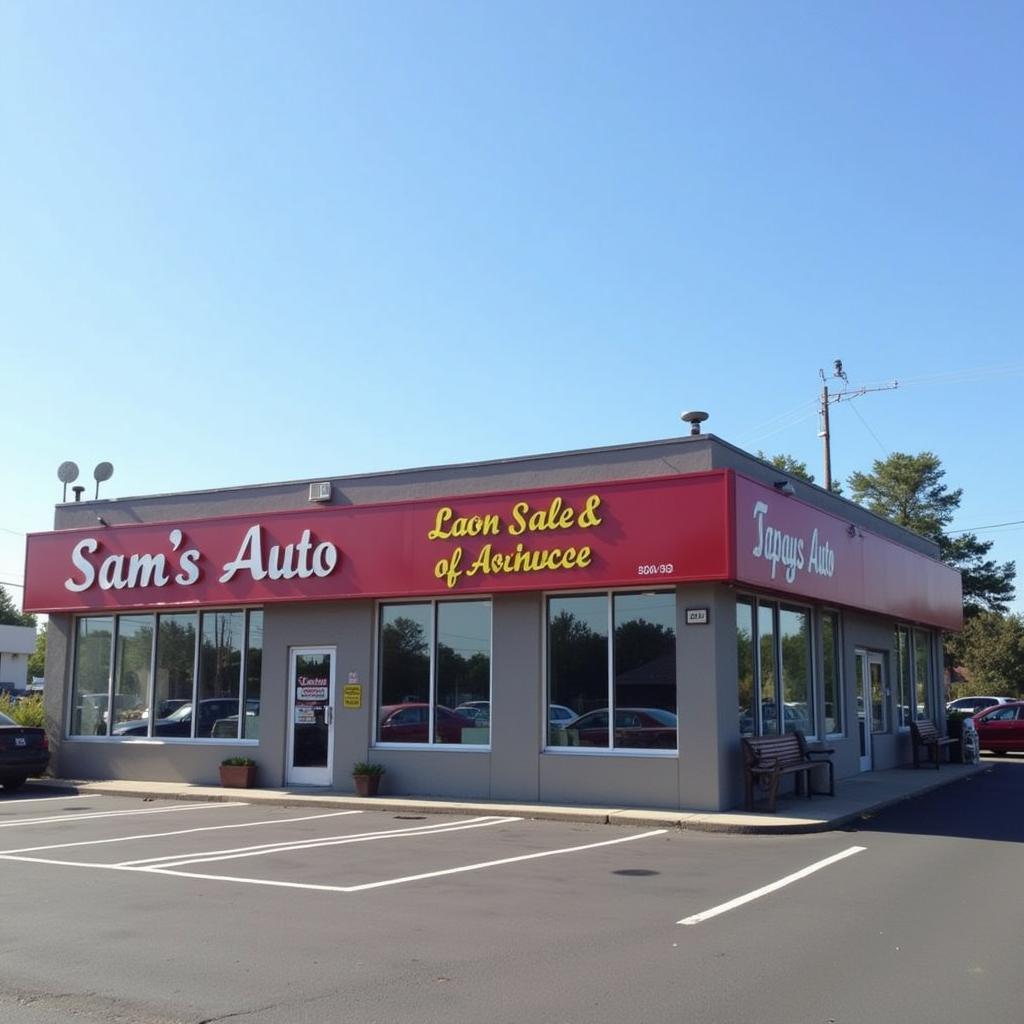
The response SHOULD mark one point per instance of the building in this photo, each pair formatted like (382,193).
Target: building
(589,626)
(17,645)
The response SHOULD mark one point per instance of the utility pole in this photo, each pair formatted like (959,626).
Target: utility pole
(826,399)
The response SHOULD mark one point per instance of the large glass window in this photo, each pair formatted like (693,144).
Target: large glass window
(144,666)
(434,673)
(619,694)
(914,671)
(831,673)
(90,691)
(132,660)
(922,673)
(776,680)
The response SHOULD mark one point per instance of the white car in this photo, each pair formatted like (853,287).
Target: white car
(972,704)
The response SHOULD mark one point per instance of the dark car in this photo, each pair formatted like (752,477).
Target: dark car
(647,728)
(24,751)
(409,723)
(1000,728)
(179,722)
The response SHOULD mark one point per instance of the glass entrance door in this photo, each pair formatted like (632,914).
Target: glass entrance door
(311,716)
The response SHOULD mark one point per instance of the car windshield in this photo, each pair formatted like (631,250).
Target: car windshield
(182,714)
(4,720)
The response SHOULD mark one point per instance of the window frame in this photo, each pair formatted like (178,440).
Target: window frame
(909,686)
(776,605)
(610,750)
(149,738)
(431,744)
(840,696)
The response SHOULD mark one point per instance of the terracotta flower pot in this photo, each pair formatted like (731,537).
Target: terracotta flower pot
(238,776)
(366,785)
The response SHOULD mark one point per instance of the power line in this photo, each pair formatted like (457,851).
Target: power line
(993,526)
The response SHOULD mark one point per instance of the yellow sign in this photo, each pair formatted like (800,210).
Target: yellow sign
(522,520)
(352,695)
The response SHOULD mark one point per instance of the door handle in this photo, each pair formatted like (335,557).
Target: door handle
(328,715)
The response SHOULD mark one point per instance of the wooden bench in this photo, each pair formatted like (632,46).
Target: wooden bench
(924,734)
(768,758)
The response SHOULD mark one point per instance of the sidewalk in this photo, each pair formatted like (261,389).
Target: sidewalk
(862,795)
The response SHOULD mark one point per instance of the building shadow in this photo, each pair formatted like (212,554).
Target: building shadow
(984,806)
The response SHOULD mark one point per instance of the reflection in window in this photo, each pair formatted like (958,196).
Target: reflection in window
(133,656)
(768,692)
(175,662)
(456,667)
(795,650)
(831,673)
(904,679)
(162,706)
(220,674)
(922,673)
(775,668)
(90,691)
(877,674)
(253,675)
(633,706)
(745,660)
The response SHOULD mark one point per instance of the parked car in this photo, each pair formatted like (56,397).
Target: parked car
(410,723)
(560,715)
(479,711)
(648,728)
(973,704)
(1000,728)
(179,722)
(24,751)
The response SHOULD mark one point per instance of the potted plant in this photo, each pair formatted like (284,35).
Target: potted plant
(366,776)
(238,772)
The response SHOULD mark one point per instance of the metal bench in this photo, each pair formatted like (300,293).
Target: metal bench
(924,734)
(768,758)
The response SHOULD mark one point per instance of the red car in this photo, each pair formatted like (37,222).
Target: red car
(1001,728)
(409,723)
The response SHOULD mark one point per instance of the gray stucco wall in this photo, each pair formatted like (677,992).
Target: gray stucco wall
(706,774)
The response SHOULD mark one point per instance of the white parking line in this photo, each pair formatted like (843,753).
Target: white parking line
(439,828)
(723,908)
(93,815)
(348,889)
(178,832)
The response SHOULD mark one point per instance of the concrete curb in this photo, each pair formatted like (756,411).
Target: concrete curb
(736,823)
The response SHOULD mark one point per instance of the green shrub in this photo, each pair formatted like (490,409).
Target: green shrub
(25,710)
(238,762)
(367,768)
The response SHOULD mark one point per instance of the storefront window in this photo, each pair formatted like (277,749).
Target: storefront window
(922,673)
(745,662)
(832,678)
(904,679)
(632,706)
(91,689)
(153,683)
(253,675)
(795,659)
(775,668)
(220,674)
(133,657)
(175,662)
(456,666)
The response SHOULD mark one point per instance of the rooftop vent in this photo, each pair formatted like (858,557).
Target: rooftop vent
(695,419)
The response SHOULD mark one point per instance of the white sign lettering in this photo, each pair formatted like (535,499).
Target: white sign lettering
(302,559)
(779,548)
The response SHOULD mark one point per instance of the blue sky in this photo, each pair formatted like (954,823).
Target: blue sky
(248,242)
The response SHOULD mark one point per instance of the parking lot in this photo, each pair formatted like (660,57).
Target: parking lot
(345,851)
(164,912)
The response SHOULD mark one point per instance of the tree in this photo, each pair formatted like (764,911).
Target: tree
(991,648)
(9,614)
(909,490)
(794,467)
(37,661)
